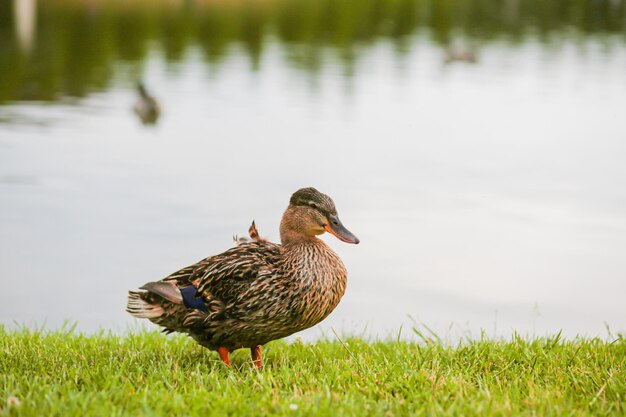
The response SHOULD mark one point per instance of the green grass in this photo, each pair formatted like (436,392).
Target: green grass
(147,374)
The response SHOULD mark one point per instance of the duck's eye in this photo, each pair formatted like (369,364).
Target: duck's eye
(313,205)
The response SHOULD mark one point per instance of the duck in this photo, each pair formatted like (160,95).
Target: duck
(256,291)
(458,55)
(146,107)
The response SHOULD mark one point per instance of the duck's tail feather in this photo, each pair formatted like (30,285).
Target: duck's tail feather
(165,289)
(141,308)
(253,232)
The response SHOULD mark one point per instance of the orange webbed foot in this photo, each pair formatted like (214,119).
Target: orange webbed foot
(224,355)
(256,356)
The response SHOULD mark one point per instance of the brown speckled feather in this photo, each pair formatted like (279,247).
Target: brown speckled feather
(255,294)
(226,275)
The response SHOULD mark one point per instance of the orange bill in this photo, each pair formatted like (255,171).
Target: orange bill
(336,228)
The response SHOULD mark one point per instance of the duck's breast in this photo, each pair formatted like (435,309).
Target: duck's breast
(318,286)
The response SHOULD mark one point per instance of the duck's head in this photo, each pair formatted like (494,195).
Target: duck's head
(311,213)
(141,89)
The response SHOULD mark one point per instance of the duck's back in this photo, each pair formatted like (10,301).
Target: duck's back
(226,275)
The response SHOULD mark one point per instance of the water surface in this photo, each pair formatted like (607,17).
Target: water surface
(487,195)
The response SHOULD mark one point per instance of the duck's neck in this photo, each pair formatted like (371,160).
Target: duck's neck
(311,258)
(314,269)
(301,247)
(142,91)
(290,232)
(290,238)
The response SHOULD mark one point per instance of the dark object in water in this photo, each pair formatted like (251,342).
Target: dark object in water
(146,107)
(455,55)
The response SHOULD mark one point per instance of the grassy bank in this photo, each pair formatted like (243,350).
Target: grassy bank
(147,374)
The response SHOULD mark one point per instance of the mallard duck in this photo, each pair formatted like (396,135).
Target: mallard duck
(146,107)
(454,55)
(257,291)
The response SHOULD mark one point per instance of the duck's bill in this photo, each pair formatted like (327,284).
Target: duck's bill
(335,227)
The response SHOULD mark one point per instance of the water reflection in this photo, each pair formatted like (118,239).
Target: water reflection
(25,13)
(77,43)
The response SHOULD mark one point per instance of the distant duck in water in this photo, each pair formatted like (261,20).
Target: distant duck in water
(456,55)
(146,107)
(257,291)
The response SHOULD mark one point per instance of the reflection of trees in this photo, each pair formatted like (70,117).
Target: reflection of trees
(78,43)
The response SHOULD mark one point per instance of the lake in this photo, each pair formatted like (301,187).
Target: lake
(477,150)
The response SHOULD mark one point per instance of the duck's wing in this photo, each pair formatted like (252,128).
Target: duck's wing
(191,299)
(226,275)
(184,276)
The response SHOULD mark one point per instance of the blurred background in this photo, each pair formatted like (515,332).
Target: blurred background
(476,147)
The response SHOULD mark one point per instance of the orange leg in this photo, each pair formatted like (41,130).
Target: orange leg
(256,356)
(224,355)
